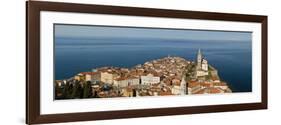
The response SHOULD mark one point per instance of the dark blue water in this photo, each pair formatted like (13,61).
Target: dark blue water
(233,59)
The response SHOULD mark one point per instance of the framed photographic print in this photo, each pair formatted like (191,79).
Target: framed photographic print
(93,62)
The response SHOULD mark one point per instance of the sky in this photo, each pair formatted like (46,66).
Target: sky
(87,31)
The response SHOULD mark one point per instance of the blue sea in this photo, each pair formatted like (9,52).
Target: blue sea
(233,59)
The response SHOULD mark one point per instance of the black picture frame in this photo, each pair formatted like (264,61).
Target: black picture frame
(33,9)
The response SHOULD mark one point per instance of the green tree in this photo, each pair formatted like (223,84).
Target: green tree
(56,91)
(66,91)
(76,90)
(87,90)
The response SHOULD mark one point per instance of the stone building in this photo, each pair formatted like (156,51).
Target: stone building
(202,65)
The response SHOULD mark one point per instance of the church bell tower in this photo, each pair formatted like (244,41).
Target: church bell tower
(199,59)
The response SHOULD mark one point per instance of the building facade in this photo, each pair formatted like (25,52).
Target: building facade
(150,79)
(107,77)
(124,81)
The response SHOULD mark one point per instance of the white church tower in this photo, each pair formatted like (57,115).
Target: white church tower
(183,86)
(199,59)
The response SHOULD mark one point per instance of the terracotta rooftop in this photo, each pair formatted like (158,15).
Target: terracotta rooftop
(120,78)
(206,84)
(202,91)
(214,90)
(192,84)
(165,93)
(220,84)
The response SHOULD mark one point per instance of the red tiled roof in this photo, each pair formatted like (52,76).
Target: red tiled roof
(200,91)
(220,84)
(192,84)
(165,93)
(210,90)
(120,78)
(206,84)
(214,90)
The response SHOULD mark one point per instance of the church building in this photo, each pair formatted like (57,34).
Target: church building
(202,65)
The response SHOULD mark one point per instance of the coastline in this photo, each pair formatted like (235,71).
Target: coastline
(159,77)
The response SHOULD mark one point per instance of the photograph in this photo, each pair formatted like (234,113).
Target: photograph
(102,61)
(87,61)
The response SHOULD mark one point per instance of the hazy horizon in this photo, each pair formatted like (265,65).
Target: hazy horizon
(87,31)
